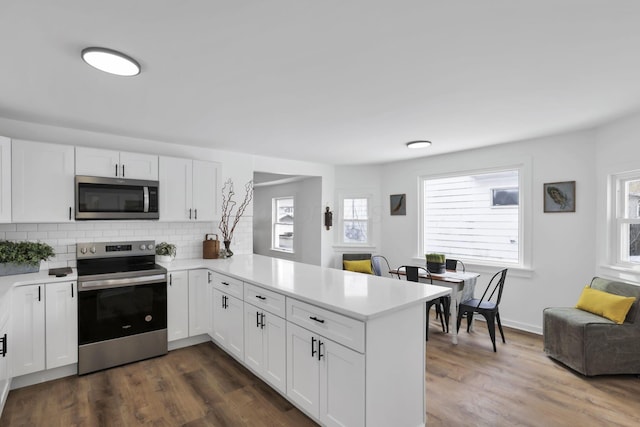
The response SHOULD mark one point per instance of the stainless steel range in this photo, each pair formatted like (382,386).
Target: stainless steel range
(122,304)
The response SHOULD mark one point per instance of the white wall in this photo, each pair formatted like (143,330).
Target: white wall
(307,195)
(561,244)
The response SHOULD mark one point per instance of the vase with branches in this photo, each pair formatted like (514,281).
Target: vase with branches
(227,225)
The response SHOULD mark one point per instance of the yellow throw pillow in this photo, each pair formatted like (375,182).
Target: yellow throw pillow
(613,307)
(359,266)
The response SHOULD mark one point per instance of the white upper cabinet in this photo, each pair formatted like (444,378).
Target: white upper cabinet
(5,179)
(116,164)
(42,182)
(188,189)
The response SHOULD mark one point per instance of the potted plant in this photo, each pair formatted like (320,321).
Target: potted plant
(436,263)
(23,257)
(165,252)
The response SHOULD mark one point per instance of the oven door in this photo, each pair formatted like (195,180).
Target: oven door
(106,313)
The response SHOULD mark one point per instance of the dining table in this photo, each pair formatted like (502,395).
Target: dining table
(462,284)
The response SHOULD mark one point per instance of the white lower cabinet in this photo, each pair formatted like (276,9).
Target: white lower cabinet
(199,302)
(228,330)
(177,305)
(4,355)
(325,378)
(44,314)
(265,345)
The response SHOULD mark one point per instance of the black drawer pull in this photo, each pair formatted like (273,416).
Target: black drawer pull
(4,345)
(261,297)
(316,319)
(225,283)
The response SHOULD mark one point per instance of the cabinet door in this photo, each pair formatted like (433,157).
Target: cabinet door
(139,166)
(253,341)
(199,302)
(303,373)
(275,355)
(97,162)
(27,320)
(342,385)
(61,324)
(177,305)
(235,327)
(219,328)
(175,189)
(5,179)
(4,358)
(42,182)
(205,190)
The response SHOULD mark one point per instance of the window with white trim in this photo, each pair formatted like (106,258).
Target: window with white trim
(355,220)
(474,216)
(627,219)
(283,222)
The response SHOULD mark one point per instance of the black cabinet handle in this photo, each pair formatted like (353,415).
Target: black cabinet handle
(320,355)
(262,325)
(123,171)
(313,347)
(208,277)
(257,319)
(72,290)
(69,213)
(261,297)
(4,345)
(225,283)
(171,279)
(39,294)
(316,319)
(116,169)
(189,213)
(196,213)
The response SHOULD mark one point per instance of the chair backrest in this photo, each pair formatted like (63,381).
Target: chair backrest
(380,266)
(452,264)
(412,273)
(496,284)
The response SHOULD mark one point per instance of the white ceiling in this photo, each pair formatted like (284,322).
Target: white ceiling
(332,81)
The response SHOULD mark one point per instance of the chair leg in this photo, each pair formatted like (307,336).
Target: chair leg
(500,327)
(491,326)
(458,320)
(446,303)
(469,320)
(440,315)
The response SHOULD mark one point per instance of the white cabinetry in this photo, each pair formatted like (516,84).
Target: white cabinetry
(4,354)
(177,305)
(325,378)
(117,164)
(200,297)
(61,320)
(265,335)
(5,179)
(42,181)
(36,323)
(228,328)
(188,189)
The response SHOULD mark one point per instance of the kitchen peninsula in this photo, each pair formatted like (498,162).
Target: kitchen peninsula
(354,350)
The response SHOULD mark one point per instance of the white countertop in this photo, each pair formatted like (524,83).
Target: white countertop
(358,295)
(8,282)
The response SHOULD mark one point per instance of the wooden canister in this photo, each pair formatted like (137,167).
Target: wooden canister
(210,247)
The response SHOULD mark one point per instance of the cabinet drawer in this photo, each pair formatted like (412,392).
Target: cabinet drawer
(267,300)
(344,330)
(228,285)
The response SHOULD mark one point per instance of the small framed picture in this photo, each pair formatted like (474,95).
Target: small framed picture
(560,196)
(398,204)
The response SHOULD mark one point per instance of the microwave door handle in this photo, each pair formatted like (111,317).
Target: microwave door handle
(146,198)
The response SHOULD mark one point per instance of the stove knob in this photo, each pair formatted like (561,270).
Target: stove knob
(83,250)
(149,247)
(93,249)
(143,247)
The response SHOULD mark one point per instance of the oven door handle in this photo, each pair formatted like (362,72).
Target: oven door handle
(117,283)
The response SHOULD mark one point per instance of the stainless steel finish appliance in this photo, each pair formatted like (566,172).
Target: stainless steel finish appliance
(115,198)
(122,304)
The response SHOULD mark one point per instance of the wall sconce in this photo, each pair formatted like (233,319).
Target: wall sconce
(328,218)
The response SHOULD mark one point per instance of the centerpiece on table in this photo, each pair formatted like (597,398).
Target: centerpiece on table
(227,227)
(23,257)
(436,263)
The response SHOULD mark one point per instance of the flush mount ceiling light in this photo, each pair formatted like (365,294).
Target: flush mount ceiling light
(418,144)
(111,61)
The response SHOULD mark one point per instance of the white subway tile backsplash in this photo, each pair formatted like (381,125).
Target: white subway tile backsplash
(8,227)
(26,227)
(47,227)
(16,235)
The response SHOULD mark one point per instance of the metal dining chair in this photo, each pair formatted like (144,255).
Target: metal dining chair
(380,266)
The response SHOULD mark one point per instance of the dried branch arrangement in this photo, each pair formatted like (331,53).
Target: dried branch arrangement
(227,208)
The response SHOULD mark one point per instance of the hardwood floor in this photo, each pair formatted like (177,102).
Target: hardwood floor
(467,384)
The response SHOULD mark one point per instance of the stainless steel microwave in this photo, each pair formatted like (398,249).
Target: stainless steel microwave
(114,198)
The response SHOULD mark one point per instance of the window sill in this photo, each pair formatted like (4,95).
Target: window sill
(343,247)
(621,273)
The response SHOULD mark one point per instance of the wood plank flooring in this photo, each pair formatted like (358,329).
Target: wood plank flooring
(467,385)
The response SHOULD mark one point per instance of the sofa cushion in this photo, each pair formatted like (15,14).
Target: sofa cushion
(359,266)
(613,307)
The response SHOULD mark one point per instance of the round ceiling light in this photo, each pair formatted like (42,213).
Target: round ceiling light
(418,144)
(111,61)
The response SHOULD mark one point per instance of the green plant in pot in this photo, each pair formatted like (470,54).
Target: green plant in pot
(165,252)
(436,263)
(23,257)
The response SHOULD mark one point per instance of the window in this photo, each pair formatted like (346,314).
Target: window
(474,216)
(627,222)
(283,221)
(355,220)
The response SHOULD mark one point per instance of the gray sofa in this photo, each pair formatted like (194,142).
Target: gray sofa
(594,345)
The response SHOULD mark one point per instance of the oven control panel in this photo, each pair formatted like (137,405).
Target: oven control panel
(115,249)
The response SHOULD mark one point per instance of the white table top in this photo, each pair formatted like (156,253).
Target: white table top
(358,295)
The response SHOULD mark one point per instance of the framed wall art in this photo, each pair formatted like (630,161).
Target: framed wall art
(398,204)
(560,196)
